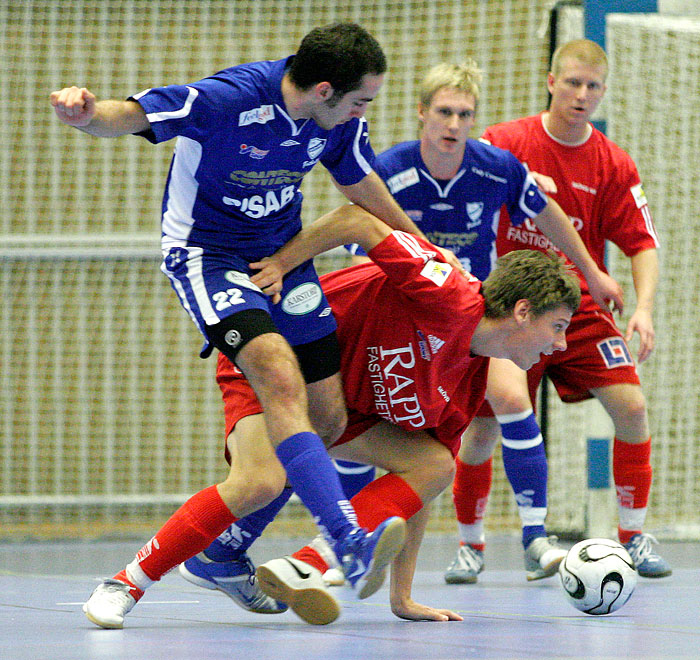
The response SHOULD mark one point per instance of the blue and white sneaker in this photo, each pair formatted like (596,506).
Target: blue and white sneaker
(365,557)
(648,563)
(234,578)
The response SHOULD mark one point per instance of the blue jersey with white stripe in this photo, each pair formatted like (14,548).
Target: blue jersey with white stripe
(240,158)
(462,214)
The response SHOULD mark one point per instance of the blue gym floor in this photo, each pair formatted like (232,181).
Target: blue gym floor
(45,584)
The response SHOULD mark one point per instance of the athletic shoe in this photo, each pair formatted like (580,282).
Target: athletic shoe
(542,557)
(234,578)
(365,557)
(301,586)
(109,603)
(334,577)
(466,566)
(648,563)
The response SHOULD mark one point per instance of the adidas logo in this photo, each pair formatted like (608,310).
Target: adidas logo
(435,343)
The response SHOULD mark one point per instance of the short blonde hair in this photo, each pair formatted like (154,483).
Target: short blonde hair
(583,50)
(464,77)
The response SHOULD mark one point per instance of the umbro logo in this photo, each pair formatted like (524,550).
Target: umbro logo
(289,143)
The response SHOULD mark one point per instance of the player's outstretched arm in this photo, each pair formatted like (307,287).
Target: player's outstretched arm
(78,107)
(556,226)
(346,224)
(402,572)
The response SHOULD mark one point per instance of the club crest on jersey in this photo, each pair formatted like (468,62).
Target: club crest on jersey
(436,272)
(260,115)
(474,211)
(615,353)
(253,152)
(315,147)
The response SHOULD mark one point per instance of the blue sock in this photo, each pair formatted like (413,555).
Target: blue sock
(353,476)
(236,540)
(525,464)
(314,479)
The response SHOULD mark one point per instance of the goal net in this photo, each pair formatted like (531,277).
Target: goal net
(109,418)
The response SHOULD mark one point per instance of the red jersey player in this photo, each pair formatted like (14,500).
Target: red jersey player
(597,185)
(414,337)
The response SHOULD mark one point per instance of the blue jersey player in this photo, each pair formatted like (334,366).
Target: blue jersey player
(246,137)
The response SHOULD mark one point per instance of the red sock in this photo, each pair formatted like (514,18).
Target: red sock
(310,556)
(632,474)
(188,531)
(470,490)
(387,496)
(382,498)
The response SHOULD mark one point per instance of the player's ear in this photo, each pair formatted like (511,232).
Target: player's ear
(324,90)
(521,310)
(421,111)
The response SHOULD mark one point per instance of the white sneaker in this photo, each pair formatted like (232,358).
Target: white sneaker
(465,566)
(109,603)
(300,586)
(542,557)
(334,577)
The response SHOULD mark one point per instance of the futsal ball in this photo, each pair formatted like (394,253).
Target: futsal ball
(598,576)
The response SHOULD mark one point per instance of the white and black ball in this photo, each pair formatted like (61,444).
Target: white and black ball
(598,576)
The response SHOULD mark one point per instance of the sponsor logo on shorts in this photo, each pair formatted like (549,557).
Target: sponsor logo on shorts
(615,353)
(302,299)
(260,115)
(233,338)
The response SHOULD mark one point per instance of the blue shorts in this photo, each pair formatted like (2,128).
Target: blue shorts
(212,285)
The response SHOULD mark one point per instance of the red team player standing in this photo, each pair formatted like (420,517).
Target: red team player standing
(598,186)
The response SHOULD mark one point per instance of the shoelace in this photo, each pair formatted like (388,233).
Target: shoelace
(117,594)
(642,549)
(469,557)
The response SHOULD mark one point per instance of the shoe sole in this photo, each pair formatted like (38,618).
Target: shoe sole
(456,579)
(312,604)
(545,572)
(655,575)
(388,546)
(102,624)
(207,584)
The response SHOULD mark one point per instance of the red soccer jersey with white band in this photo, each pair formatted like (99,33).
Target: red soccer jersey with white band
(405,324)
(598,187)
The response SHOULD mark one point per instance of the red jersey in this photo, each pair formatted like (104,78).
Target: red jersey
(405,324)
(598,187)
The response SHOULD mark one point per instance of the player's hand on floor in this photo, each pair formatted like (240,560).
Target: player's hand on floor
(416,612)
(269,278)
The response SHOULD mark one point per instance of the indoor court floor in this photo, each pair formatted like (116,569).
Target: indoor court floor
(45,584)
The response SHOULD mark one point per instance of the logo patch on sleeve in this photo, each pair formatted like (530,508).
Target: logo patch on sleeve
(640,198)
(615,353)
(436,272)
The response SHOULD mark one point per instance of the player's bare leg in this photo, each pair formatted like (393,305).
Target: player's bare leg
(632,472)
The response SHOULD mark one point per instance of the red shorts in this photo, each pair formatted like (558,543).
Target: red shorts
(240,401)
(596,356)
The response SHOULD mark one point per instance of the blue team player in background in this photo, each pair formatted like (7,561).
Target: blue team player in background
(246,137)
